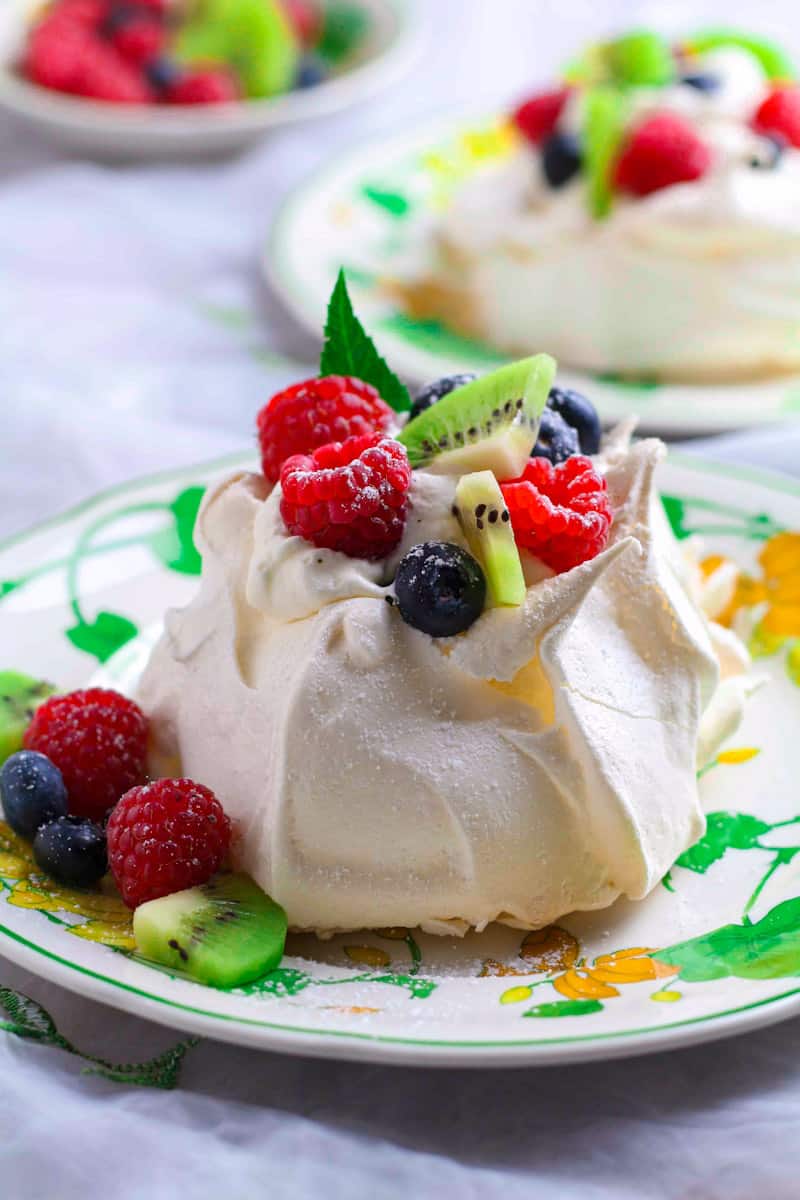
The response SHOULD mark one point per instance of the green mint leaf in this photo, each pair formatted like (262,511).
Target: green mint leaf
(349,350)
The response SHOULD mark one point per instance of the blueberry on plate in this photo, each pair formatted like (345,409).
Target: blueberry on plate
(580,413)
(440,589)
(32,792)
(310,71)
(770,153)
(702,81)
(561,158)
(72,850)
(557,441)
(437,390)
(162,73)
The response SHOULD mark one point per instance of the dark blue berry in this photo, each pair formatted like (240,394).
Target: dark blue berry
(118,17)
(561,158)
(440,589)
(310,72)
(162,73)
(703,81)
(770,155)
(32,792)
(557,441)
(580,413)
(72,850)
(437,390)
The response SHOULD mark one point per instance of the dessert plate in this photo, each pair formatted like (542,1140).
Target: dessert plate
(715,950)
(396,34)
(371,212)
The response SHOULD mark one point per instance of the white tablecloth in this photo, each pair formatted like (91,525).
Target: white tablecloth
(135,333)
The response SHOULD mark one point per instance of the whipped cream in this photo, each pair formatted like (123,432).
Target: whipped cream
(698,280)
(544,761)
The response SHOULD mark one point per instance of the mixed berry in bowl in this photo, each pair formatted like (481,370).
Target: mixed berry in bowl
(188,52)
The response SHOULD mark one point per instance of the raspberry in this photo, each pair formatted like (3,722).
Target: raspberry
(349,496)
(211,86)
(139,39)
(779,114)
(561,514)
(89,13)
(54,54)
(316,412)
(305,18)
(537,117)
(98,740)
(103,74)
(164,837)
(660,152)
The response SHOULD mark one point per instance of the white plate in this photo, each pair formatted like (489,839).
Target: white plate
(121,132)
(370,213)
(99,578)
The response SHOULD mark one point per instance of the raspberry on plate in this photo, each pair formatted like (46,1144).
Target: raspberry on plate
(663,150)
(139,38)
(561,514)
(214,85)
(164,837)
(98,740)
(349,496)
(103,74)
(54,53)
(537,117)
(315,412)
(779,114)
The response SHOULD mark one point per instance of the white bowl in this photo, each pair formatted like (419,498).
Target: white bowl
(123,132)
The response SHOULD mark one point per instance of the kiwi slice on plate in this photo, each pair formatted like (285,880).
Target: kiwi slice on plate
(225,933)
(774,61)
(489,424)
(20,696)
(485,520)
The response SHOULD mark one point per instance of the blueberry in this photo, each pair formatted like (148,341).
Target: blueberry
(561,158)
(162,73)
(557,440)
(437,390)
(772,153)
(310,72)
(32,792)
(72,850)
(702,81)
(580,413)
(440,589)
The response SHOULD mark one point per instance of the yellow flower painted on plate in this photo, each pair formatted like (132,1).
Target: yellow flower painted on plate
(516,995)
(777,588)
(107,934)
(106,919)
(580,984)
(667,997)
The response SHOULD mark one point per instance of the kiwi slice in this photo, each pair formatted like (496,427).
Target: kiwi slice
(641,59)
(604,120)
(254,37)
(774,61)
(486,523)
(20,696)
(225,933)
(489,424)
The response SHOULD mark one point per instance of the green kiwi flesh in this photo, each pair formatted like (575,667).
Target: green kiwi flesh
(20,696)
(484,518)
(489,424)
(225,933)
